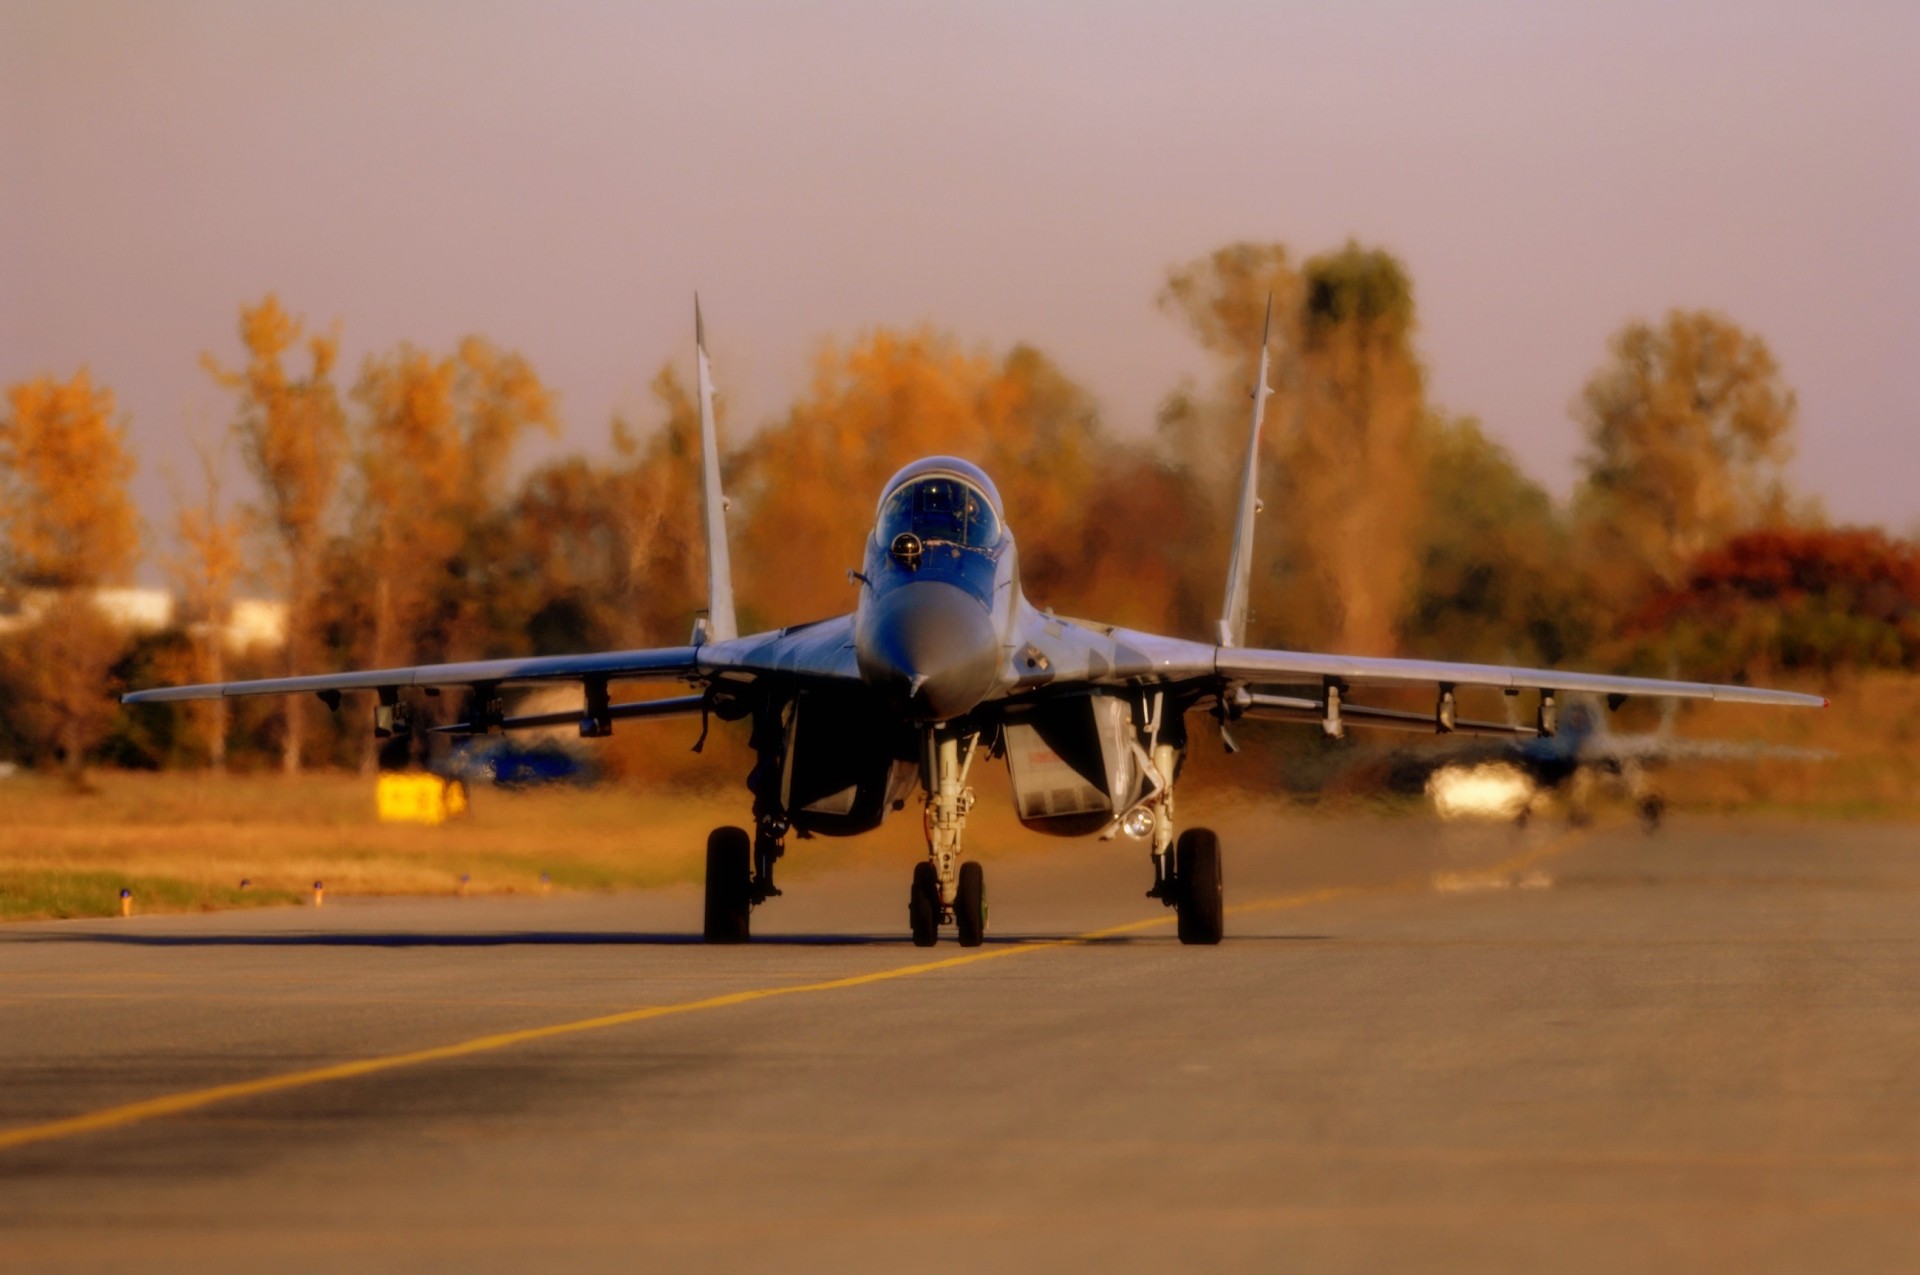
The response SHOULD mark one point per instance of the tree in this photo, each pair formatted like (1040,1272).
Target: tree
(595,555)
(1687,426)
(888,400)
(1342,465)
(1353,462)
(293,436)
(69,523)
(69,528)
(1494,580)
(1792,598)
(205,571)
(433,447)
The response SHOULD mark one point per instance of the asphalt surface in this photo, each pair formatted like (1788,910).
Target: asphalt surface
(1421,1047)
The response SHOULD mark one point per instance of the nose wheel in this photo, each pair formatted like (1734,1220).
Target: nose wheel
(970,906)
(969,912)
(945,890)
(923,906)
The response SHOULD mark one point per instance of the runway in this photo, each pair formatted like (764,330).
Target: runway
(1421,1047)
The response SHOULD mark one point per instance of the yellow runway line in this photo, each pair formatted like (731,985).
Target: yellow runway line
(193,1100)
(175,1104)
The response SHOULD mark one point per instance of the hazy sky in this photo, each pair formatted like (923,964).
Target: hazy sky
(562,177)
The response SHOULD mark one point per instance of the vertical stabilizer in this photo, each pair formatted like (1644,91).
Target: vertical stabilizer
(721,624)
(1233,616)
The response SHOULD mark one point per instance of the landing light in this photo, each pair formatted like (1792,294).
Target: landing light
(1494,790)
(1137,823)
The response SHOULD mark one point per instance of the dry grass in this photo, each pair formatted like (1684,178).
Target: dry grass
(187,841)
(1872,728)
(182,841)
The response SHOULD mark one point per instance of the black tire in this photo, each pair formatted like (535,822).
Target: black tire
(729,886)
(1201,910)
(923,906)
(1652,810)
(970,906)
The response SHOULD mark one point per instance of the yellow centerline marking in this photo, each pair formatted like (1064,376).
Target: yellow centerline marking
(192,1100)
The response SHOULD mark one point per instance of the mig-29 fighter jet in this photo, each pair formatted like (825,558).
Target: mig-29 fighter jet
(1585,758)
(944,660)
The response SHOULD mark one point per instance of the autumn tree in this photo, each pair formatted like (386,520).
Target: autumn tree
(1493,578)
(1791,598)
(434,441)
(593,555)
(1687,427)
(654,490)
(205,570)
(293,438)
(69,528)
(1342,447)
(807,482)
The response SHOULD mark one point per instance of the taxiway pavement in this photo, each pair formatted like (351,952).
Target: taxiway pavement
(1422,1047)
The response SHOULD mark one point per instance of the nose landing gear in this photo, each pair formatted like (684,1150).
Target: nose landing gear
(945,890)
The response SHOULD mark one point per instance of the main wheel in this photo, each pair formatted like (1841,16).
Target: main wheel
(729,885)
(970,905)
(923,905)
(1201,909)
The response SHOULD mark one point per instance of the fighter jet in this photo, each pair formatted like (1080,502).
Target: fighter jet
(1584,760)
(944,662)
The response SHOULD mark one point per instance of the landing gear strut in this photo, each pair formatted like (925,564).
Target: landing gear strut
(1186,875)
(945,890)
(769,843)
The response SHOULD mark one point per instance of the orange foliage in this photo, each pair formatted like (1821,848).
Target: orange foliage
(293,437)
(206,570)
(433,450)
(1687,425)
(1795,597)
(1342,457)
(64,468)
(69,527)
(811,483)
(1878,575)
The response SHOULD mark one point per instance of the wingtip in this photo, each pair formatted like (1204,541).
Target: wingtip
(699,324)
(1266,325)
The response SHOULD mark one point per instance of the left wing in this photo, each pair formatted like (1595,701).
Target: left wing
(1309,686)
(1252,666)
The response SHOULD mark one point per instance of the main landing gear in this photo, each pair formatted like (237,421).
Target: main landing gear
(1199,901)
(1186,873)
(945,890)
(740,877)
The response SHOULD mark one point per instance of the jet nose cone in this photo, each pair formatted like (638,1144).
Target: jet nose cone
(932,645)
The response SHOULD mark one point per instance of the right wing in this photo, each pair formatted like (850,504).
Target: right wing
(818,652)
(656,664)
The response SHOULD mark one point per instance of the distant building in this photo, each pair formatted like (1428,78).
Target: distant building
(254,622)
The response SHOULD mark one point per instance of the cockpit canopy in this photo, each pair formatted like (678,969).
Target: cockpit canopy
(941,501)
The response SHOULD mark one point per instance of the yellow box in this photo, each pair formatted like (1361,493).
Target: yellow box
(419,798)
